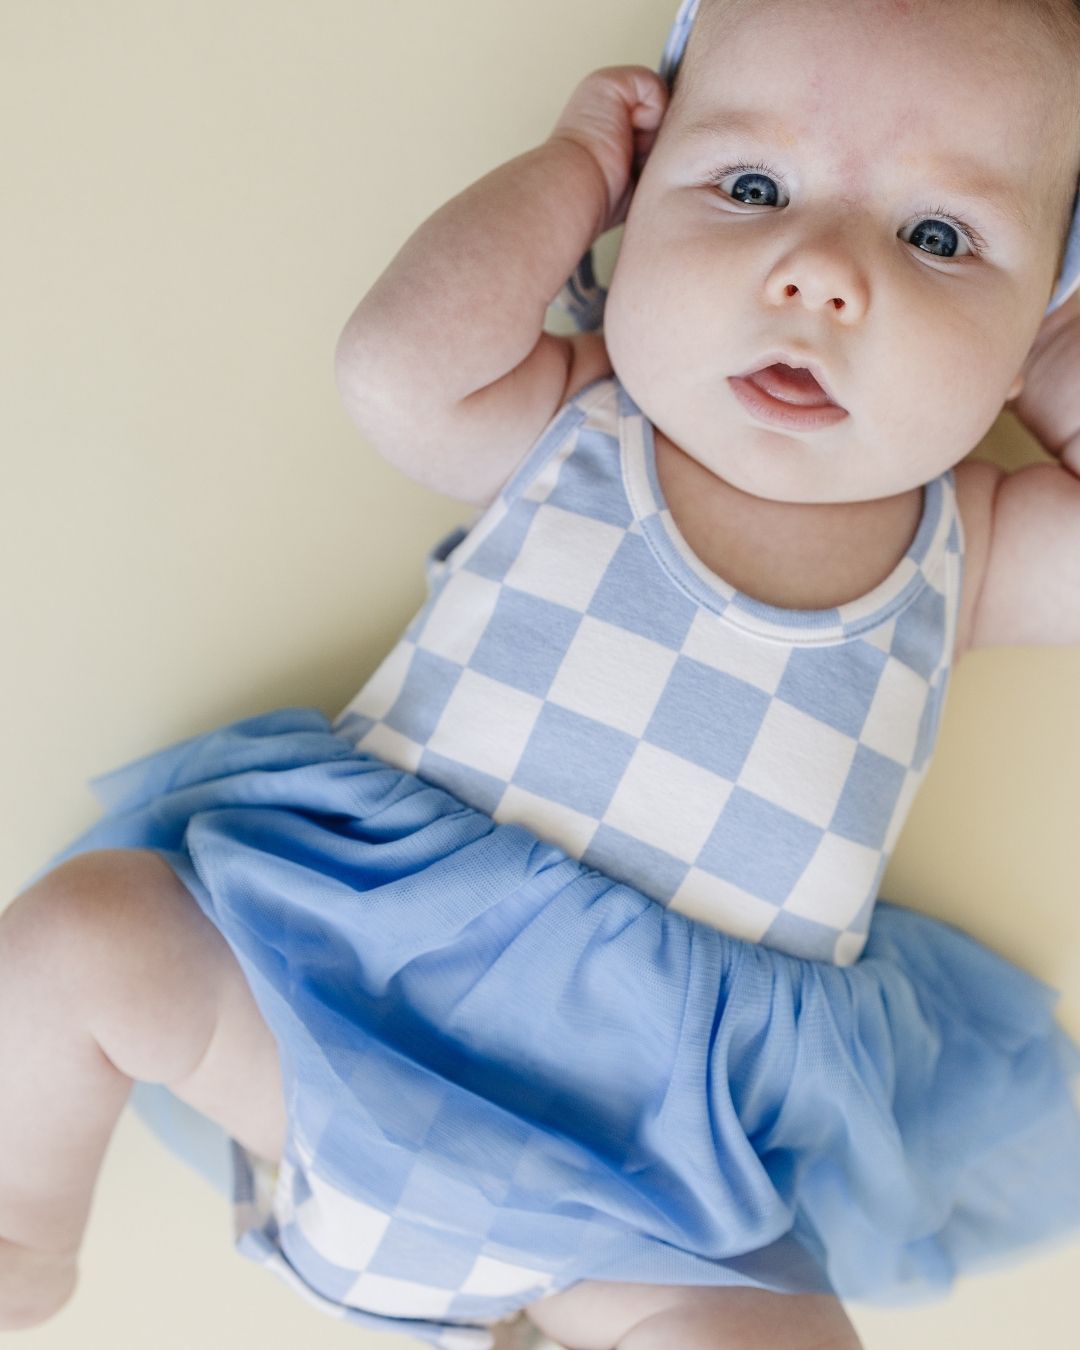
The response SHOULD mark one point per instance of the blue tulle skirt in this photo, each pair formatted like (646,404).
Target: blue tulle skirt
(506,1073)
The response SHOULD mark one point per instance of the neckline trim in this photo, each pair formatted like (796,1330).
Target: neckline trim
(804,627)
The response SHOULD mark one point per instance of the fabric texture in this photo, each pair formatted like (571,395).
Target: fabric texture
(506,1072)
(577,670)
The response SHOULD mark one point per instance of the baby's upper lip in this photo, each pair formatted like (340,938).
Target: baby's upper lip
(803,362)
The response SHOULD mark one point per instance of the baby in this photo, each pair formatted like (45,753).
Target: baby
(553,975)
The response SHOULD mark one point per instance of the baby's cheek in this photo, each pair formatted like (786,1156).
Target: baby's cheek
(638,299)
(619,309)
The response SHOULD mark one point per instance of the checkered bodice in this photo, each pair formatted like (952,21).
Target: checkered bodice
(578,670)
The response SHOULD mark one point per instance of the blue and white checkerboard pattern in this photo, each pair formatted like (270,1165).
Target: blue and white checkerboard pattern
(291,1214)
(287,1211)
(577,670)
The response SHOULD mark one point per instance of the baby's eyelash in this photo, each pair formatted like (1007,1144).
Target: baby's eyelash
(974,238)
(720,174)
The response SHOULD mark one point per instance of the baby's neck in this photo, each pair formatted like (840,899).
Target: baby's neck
(796,555)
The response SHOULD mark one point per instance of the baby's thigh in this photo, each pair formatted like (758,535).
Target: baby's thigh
(609,1315)
(161,991)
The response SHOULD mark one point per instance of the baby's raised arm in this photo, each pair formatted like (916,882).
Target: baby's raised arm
(444,364)
(1026,574)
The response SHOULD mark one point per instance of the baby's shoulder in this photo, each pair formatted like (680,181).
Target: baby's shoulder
(537,400)
(588,361)
(976,483)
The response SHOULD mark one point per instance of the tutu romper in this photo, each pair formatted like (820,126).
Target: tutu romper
(568,931)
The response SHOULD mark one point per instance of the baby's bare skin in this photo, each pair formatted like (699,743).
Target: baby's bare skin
(110,972)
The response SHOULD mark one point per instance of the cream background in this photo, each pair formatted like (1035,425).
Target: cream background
(195,195)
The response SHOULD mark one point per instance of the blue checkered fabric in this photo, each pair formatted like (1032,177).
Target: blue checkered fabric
(505,1073)
(577,670)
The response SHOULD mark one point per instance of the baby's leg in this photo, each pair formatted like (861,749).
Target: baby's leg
(606,1315)
(110,972)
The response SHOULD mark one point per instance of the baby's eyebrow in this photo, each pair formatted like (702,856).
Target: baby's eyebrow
(957,176)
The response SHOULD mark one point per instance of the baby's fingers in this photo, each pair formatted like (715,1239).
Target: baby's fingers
(615,114)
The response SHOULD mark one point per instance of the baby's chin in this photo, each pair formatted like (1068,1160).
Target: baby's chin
(774,466)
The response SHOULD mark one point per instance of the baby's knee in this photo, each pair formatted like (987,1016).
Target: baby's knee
(597,1314)
(118,933)
(730,1322)
(603,1315)
(56,931)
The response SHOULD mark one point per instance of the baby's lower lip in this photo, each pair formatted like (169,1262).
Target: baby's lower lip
(777,411)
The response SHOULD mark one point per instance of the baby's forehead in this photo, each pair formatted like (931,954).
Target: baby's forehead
(989,94)
(821,63)
(1021,27)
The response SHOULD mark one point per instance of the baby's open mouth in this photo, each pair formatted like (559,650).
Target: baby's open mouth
(791,384)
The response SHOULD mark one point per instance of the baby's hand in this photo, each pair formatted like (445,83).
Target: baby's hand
(615,114)
(1049,403)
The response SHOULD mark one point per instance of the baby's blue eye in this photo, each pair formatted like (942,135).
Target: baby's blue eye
(930,235)
(754,188)
(936,234)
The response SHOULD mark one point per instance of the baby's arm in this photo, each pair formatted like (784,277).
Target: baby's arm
(444,364)
(1029,593)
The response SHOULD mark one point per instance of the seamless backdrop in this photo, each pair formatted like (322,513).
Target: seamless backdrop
(195,195)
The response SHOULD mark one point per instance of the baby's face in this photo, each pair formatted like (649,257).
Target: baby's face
(875,127)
